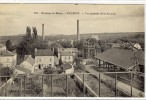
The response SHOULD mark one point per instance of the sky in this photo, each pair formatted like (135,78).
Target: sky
(14,18)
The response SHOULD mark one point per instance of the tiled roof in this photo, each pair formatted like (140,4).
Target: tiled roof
(44,52)
(121,57)
(23,69)
(64,53)
(29,59)
(66,66)
(6,53)
(68,49)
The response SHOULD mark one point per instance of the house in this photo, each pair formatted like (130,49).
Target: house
(28,63)
(67,54)
(95,36)
(2,47)
(66,57)
(124,59)
(74,51)
(7,58)
(67,68)
(44,58)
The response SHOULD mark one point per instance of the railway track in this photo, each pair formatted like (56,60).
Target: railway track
(125,88)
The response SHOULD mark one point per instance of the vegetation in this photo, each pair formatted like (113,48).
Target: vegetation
(48,70)
(6,71)
(66,44)
(8,45)
(28,44)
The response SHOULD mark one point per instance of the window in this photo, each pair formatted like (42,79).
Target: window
(50,59)
(39,66)
(69,57)
(65,58)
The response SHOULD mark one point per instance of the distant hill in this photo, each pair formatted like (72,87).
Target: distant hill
(15,39)
(102,36)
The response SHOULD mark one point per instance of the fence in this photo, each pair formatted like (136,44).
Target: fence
(40,83)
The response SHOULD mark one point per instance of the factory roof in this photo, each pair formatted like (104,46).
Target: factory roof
(122,57)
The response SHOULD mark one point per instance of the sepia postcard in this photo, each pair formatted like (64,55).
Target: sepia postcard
(72,50)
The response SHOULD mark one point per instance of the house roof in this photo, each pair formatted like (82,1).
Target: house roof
(29,59)
(44,52)
(68,49)
(66,66)
(6,53)
(23,69)
(64,53)
(121,57)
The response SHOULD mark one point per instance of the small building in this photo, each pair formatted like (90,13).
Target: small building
(123,59)
(74,51)
(44,58)
(8,59)
(2,47)
(67,68)
(66,57)
(95,36)
(90,48)
(28,63)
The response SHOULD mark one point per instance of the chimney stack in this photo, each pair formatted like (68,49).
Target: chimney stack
(78,35)
(43,37)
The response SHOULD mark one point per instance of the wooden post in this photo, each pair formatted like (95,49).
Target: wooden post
(42,85)
(51,85)
(83,86)
(24,85)
(21,87)
(131,84)
(66,86)
(99,84)
(6,88)
(115,84)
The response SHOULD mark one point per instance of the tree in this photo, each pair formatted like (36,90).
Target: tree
(66,44)
(35,35)
(55,46)
(48,70)
(9,45)
(78,60)
(28,31)
(103,45)
(6,71)
(78,44)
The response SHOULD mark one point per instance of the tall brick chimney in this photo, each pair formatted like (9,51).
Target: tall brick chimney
(43,37)
(78,34)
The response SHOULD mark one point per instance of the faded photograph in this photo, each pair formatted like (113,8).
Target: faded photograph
(72,50)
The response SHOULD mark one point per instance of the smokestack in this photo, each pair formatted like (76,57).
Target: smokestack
(43,37)
(78,35)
